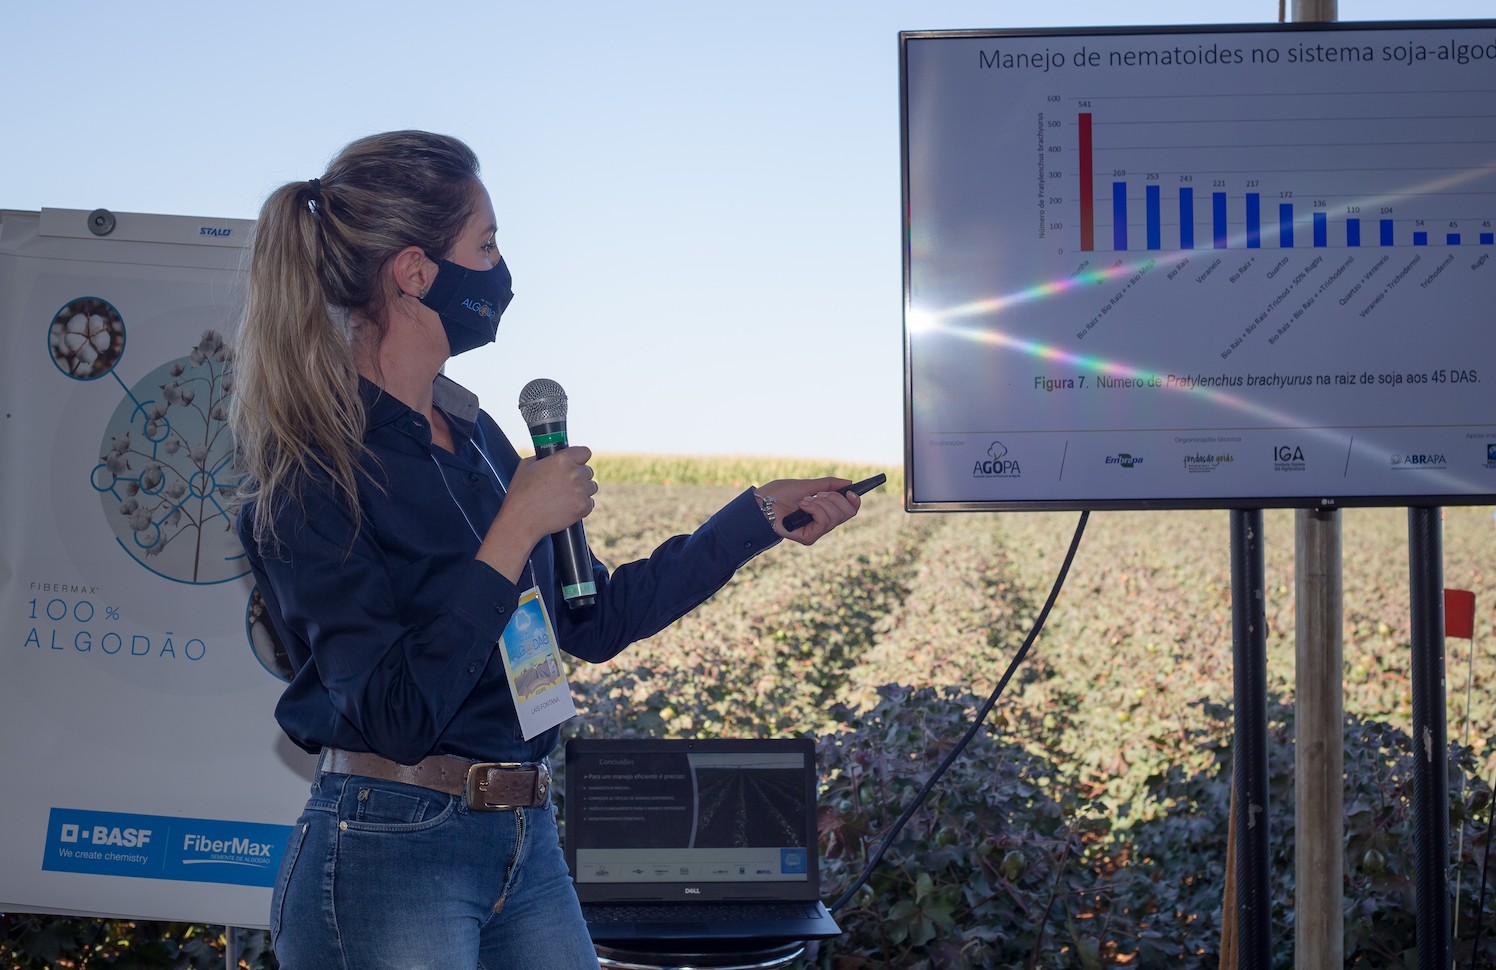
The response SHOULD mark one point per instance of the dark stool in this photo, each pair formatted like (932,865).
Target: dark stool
(693,954)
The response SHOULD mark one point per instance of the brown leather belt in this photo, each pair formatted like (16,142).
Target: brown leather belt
(488,786)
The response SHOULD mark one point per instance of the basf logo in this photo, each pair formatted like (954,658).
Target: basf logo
(997,463)
(164,847)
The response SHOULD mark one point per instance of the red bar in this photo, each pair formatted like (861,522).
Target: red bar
(1087,201)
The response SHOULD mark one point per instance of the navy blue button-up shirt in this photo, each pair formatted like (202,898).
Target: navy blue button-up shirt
(391,624)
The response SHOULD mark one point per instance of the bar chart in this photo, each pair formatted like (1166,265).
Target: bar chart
(1319,171)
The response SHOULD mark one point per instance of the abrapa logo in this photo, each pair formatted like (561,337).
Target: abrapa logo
(997,465)
(1418,461)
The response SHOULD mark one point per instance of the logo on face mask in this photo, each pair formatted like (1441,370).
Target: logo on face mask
(459,294)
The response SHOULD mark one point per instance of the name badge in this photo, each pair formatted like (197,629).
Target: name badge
(542,697)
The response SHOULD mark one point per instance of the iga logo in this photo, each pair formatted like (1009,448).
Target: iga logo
(1288,458)
(997,464)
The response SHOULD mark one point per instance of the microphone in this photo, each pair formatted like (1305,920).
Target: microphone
(542,404)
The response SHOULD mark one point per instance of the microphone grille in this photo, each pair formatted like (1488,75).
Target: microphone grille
(542,402)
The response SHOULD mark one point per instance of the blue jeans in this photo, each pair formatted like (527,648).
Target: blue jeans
(383,875)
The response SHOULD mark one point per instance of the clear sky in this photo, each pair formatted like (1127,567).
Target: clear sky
(699,200)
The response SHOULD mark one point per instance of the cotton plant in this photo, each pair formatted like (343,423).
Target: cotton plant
(163,471)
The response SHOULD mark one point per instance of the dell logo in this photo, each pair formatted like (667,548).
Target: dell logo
(693,891)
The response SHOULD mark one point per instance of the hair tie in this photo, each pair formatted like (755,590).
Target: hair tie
(314,197)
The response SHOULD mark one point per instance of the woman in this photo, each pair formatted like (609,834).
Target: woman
(394,533)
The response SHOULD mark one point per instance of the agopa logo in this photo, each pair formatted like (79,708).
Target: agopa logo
(997,464)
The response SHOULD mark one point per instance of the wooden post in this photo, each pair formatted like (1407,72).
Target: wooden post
(1319,732)
(1319,745)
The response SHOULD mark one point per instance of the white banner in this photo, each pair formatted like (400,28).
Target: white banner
(145,775)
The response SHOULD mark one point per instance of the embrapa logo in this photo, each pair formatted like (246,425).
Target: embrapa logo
(1125,460)
(997,463)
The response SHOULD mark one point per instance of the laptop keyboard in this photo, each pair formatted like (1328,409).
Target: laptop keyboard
(698,912)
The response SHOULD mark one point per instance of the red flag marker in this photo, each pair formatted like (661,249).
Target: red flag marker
(1459,613)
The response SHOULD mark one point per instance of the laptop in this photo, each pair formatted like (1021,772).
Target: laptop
(699,840)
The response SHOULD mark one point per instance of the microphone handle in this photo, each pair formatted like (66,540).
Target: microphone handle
(573,562)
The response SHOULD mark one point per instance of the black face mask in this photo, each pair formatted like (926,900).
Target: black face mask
(469,302)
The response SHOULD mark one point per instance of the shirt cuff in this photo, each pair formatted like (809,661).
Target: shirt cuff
(484,598)
(743,528)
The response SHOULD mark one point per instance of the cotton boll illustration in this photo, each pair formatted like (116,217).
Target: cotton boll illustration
(86,338)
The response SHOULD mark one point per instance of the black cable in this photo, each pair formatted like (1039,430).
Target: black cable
(1054,592)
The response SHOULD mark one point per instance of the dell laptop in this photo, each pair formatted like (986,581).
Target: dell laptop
(679,840)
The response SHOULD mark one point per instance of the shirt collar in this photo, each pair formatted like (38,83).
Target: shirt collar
(457,402)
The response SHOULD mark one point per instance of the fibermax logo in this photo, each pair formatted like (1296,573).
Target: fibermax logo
(997,465)
(235,851)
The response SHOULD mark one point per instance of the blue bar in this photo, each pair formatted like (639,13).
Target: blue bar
(1285,225)
(1218,218)
(1353,232)
(1386,232)
(1321,231)
(1254,221)
(1420,239)
(1452,239)
(1150,205)
(1488,238)
(1186,218)
(1119,216)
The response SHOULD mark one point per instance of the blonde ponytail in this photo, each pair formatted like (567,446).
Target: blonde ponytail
(316,262)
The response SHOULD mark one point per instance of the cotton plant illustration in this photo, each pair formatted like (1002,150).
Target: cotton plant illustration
(165,476)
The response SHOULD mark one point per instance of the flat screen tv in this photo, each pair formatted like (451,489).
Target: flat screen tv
(1194,267)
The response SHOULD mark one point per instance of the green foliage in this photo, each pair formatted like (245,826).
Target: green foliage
(1087,824)
(40,942)
(995,869)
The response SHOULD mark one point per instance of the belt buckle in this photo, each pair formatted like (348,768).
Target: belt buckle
(478,778)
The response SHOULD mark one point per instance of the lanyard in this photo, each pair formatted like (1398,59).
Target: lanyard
(497,478)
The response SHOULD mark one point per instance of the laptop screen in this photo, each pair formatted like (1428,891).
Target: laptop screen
(707,819)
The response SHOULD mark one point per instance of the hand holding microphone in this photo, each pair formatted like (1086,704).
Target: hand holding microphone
(542,403)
